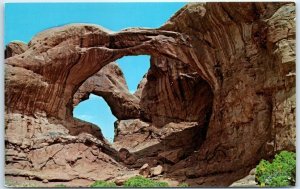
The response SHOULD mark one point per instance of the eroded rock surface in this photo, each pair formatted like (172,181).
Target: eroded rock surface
(219,96)
(110,83)
(242,46)
(39,149)
(15,48)
(174,92)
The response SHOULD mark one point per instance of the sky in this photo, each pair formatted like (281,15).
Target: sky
(23,20)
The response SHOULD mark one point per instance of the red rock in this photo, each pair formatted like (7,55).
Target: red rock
(15,48)
(110,84)
(172,156)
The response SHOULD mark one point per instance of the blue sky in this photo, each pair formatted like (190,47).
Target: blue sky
(24,20)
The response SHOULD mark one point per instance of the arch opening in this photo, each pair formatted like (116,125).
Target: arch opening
(96,110)
(107,95)
(172,108)
(134,69)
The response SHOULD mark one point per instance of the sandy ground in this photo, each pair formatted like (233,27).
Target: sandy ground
(25,182)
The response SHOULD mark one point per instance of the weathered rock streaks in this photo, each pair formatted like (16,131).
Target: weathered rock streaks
(110,83)
(38,149)
(218,97)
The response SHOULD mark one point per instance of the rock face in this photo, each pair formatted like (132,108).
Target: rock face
(174,92)
(15,48)
(219,96)
(110,83)
(153,145)
(39,149)
(250,51)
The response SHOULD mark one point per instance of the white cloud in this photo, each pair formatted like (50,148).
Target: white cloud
(85,117)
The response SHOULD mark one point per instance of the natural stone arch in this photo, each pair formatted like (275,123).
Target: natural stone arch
(110,84)
(82,51)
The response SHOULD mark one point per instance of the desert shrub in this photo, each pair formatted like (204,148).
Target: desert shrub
(279,173)
(139,181)
(183,185)
(60,186)
(101,183)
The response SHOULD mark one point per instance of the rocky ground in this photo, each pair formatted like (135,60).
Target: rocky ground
(219,96)
(247,182)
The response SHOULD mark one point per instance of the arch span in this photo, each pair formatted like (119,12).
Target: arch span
(76,52)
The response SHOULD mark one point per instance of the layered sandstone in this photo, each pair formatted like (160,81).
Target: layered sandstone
(110,83)
(174,92)
(218,97)
(251,52)
(37,148)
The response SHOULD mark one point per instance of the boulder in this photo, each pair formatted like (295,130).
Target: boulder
(145,170)
(172,156)
(155,171)
(15,48)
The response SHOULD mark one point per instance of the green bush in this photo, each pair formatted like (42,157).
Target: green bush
(183,185)
(139,181)
(101,183)
(60,186)
(281,172)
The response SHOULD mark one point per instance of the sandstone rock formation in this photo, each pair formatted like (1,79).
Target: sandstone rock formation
(15,48)
(218,97)
(154,145)
(174,92)
(110,83)
(39,149)
(256,79)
